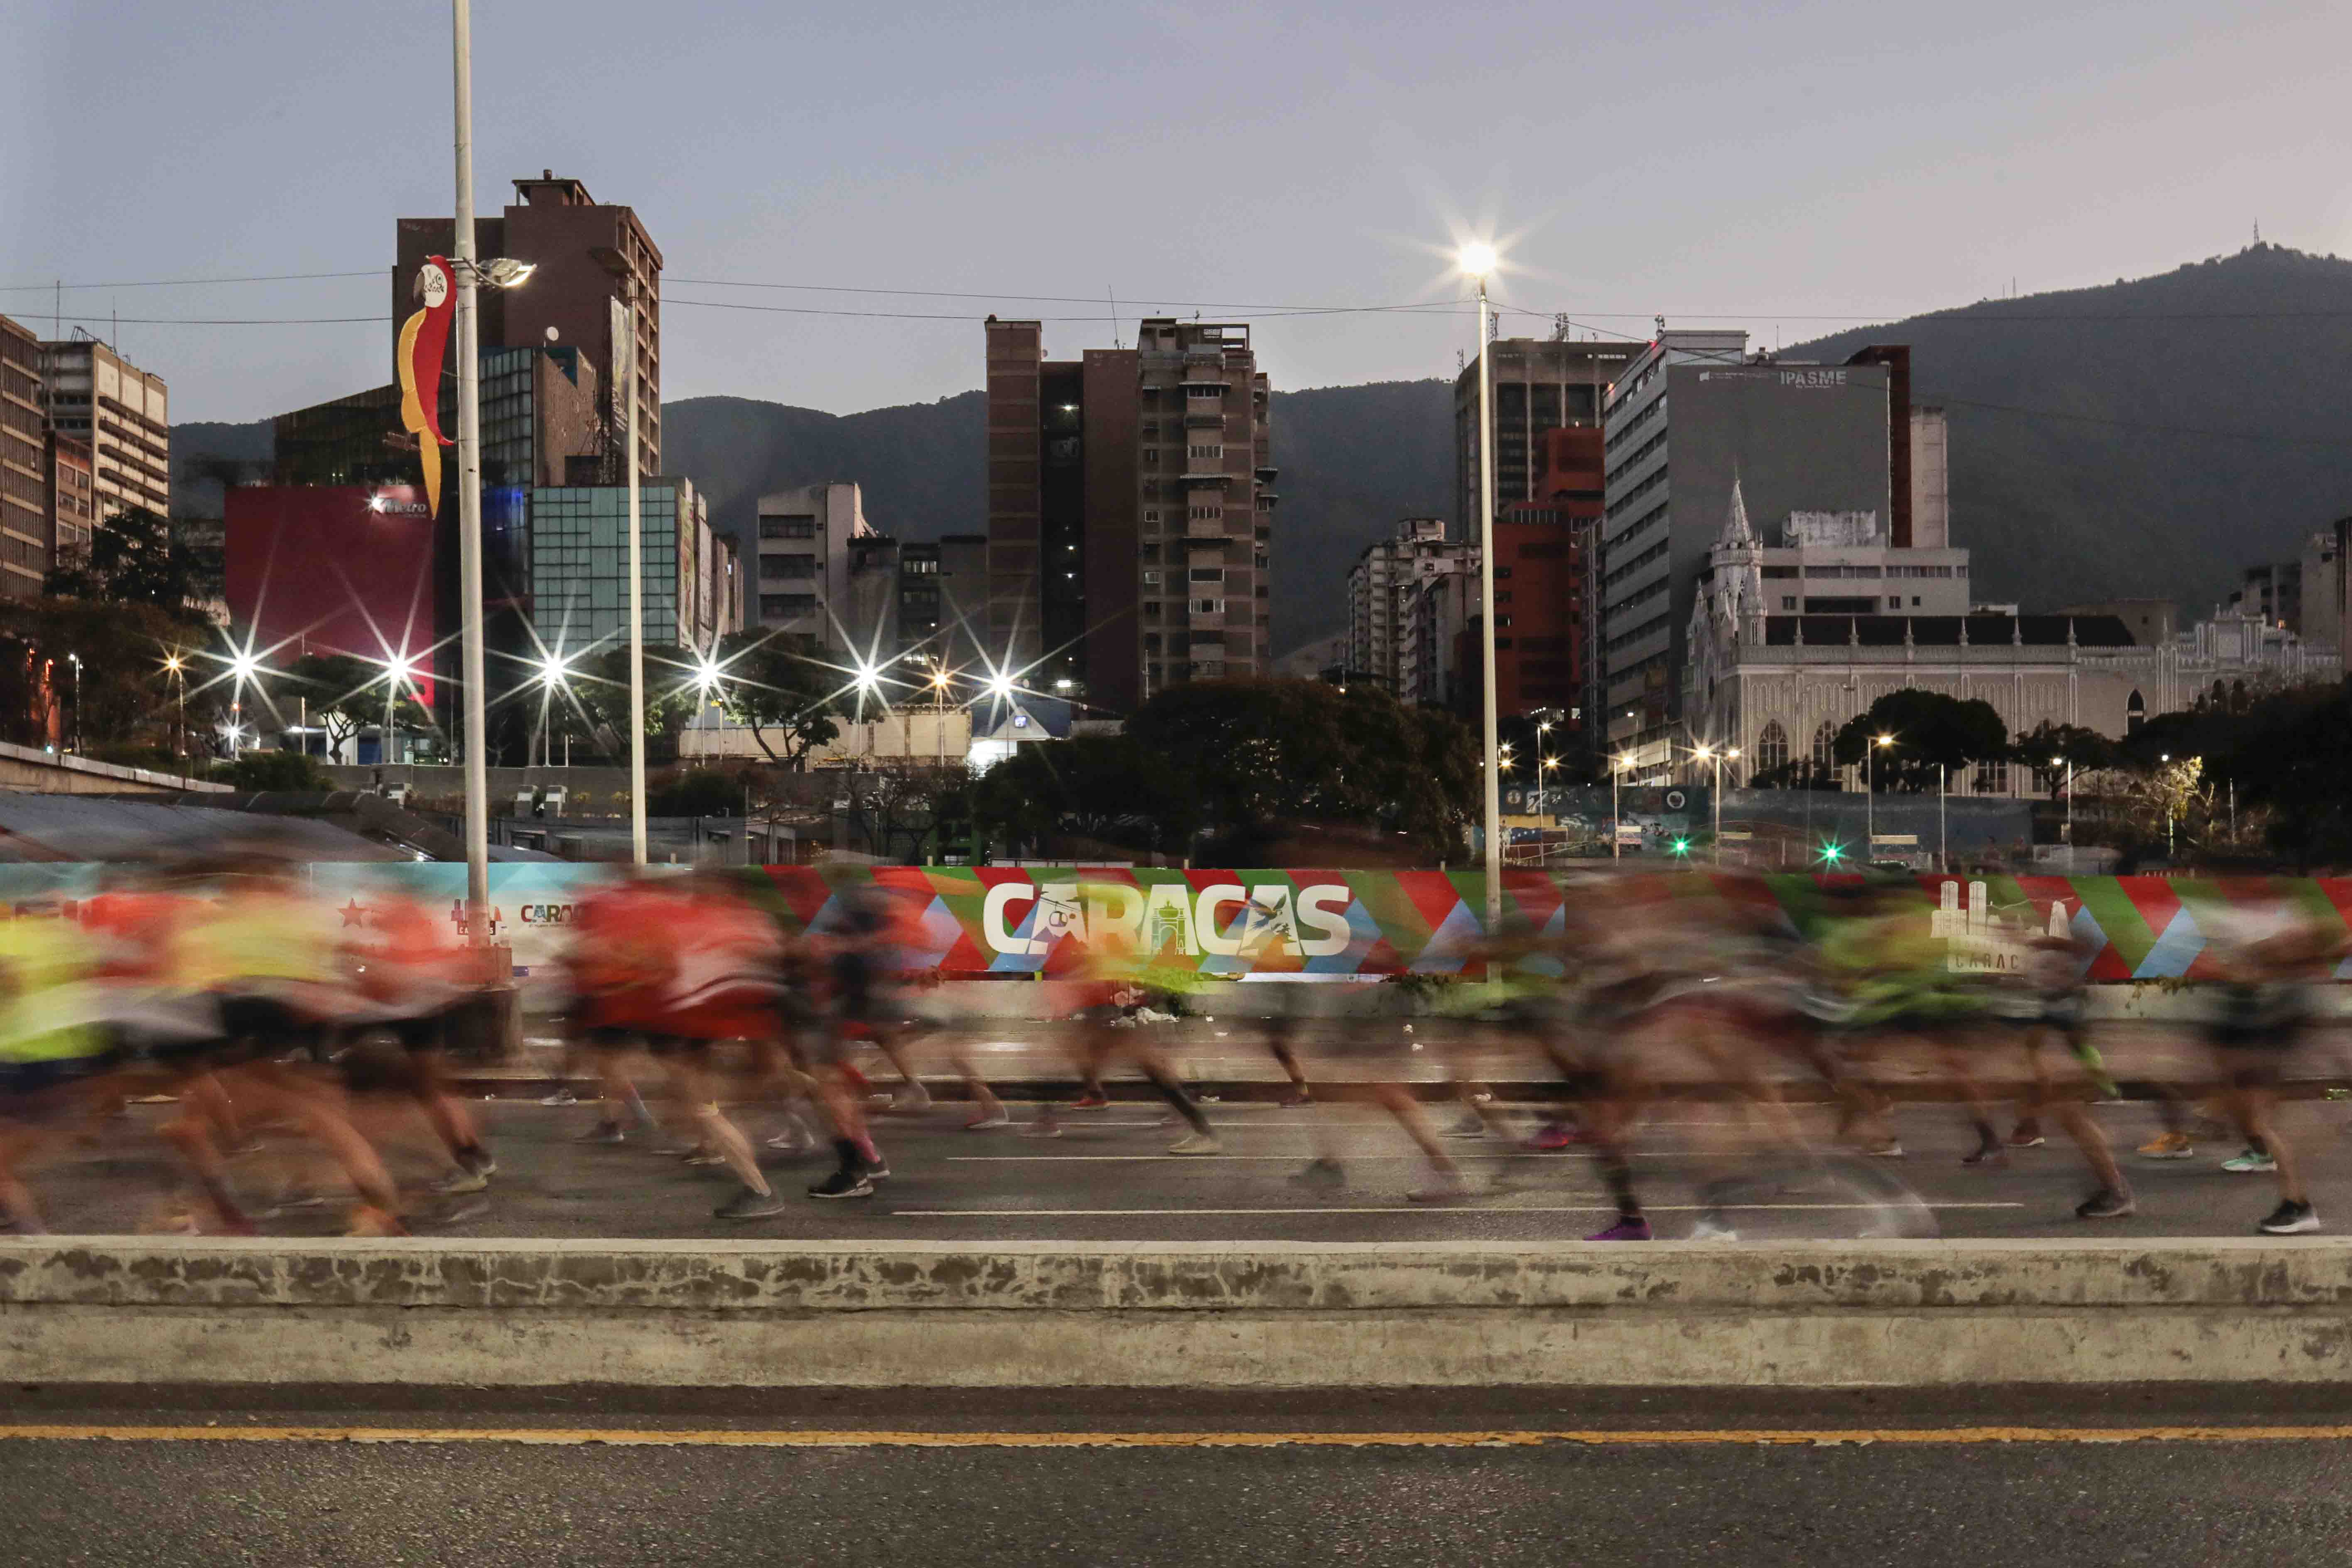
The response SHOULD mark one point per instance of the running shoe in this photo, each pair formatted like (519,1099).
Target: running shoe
(2249,1163)
(876,1168)
(1089,1102)
(602,1132)
(706,1157)
(1553,1135)
(2027,1135)
(2169,1146)
(1299,1095)
(795,1138)
(1712,1228)
(1890,1150)
(910,1099)
(461,1181)
(1195,1143)
(1323,1172)
(1445,1190)
(843,1184)
(2290,1218)
(2105,1203)
(750,1204)
(1987,1154)
(988,1122)
(561,1096)
(1471,1125)
(1635,1229)
(1044,1127)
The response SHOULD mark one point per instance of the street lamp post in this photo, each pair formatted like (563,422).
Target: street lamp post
(1870,798)
(2068,762)
(75,660)
(179,673)
(1478,261)
(1617,766)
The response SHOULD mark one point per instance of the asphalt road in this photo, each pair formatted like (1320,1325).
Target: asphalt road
(1542,1476)
(1108,1178)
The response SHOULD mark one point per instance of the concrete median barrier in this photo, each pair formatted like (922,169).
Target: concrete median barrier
(1172,1314)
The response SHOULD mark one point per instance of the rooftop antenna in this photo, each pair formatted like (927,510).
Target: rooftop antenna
(2258,231)
(1116,341)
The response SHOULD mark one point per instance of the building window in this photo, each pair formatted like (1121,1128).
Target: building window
(2134,714)
(1991,778)
(1208,574)
(1824,750)
(1772,748)
(785,568)
(1788,602)
(1894,601)
(797,527)
(786,606)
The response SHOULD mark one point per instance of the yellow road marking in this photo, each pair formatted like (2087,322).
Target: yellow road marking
(621,1436)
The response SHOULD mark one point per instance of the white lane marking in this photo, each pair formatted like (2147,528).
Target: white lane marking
(1433,1209)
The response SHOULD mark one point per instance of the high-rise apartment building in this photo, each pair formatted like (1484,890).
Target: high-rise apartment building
(123,412)
(73,492)
(1379,593)
(598,276)
(1130,511)
(24,499)
(1692,419)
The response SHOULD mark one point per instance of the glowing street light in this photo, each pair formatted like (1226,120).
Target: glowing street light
(999,686)
(1869,797)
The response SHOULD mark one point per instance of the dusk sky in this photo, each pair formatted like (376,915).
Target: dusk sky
(1792,169)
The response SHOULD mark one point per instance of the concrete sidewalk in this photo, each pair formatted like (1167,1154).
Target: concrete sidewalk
(1174,1314)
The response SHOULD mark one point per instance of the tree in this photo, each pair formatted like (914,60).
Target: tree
(1104,787)
(776,692)
(1250,753)
(260,772)
(1932,734)
(132,558)
(124,691)
(2049,746)
(345,694)
(599,684)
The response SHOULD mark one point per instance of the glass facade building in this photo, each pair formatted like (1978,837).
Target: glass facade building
(579,565)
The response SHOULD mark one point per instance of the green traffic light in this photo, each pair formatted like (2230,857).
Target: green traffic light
(1833,853)
(1682,845)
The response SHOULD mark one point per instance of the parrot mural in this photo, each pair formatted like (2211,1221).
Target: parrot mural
(423,338)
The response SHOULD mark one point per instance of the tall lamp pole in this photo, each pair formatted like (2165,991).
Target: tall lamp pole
(469,498)
(1870,798)
(1617,766)
(1478,261)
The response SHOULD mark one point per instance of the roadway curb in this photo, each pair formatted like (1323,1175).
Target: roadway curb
(1200,1315)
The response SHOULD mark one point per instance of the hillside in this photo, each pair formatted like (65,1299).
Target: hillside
(2143,438)
(2147,437)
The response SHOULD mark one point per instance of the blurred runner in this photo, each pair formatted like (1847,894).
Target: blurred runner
(52,1062)
(406,960)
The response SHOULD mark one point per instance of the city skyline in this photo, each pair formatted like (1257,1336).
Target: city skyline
(1780,177)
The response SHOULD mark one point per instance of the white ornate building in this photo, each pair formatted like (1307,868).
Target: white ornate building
(1779,685)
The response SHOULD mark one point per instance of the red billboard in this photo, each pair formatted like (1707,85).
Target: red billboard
(333,569)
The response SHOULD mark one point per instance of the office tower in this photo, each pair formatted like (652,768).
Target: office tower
(24,494)
(95,395)
(597,276)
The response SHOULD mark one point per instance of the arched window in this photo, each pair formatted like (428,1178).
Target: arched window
(1824,743)
(1772,748)
(2134,714)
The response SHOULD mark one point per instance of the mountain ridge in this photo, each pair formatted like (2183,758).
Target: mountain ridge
(2149,437)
